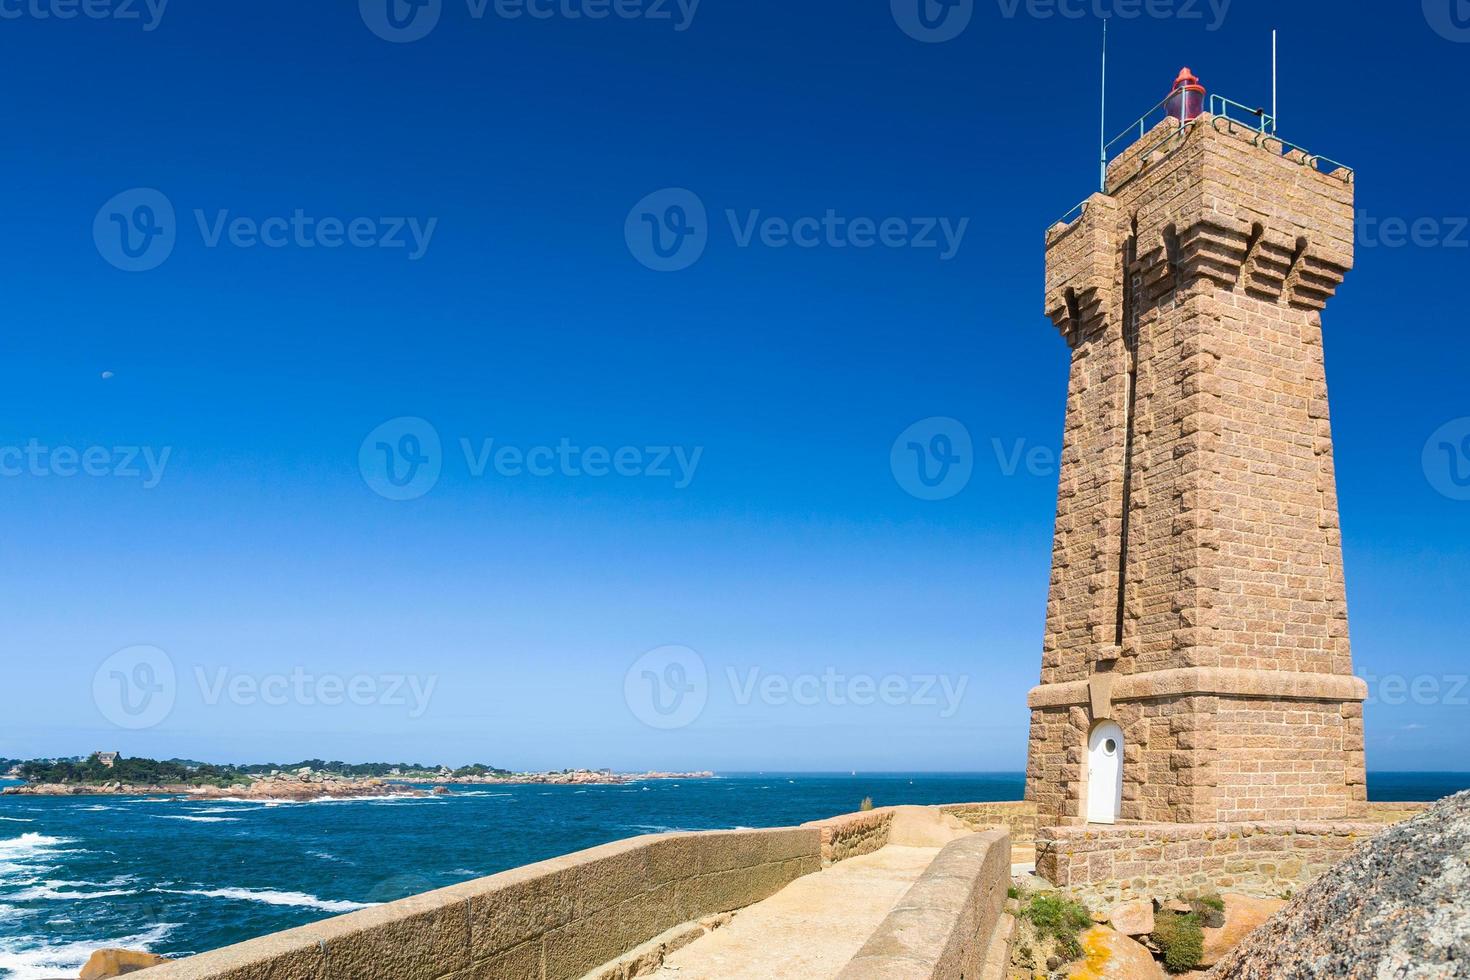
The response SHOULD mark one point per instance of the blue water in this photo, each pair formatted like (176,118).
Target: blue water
(180,876)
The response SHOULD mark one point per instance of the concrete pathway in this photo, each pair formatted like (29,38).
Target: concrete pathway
(808,930)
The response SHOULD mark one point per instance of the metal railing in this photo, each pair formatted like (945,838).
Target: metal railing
(1223,112)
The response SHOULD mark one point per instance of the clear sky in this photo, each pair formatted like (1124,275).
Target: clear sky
(236,516)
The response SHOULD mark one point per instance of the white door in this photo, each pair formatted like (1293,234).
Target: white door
(1105,773)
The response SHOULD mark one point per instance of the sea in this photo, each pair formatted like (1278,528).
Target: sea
(179,876)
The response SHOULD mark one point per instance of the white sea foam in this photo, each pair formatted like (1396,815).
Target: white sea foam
(28,846)
(32,958)
(18,819)
(200,819)
(47,892)
(270,897)
(227,809)
(95,807)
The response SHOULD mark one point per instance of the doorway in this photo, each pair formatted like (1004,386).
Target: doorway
(1105,773)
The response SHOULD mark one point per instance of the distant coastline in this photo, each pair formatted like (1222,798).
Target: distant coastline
(110,774)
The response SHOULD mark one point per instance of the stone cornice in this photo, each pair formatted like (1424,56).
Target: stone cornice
(1210,681)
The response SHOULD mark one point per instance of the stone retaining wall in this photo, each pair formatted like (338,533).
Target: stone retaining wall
(944,926)
(853,834)
(555,920)
(1017,817)
(1105,865)
(866,831)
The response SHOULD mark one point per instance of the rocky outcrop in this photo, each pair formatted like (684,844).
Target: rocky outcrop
(1243,916)
(108,963)
(1397,907)
(1109,955)
(296,787)
(1135,918)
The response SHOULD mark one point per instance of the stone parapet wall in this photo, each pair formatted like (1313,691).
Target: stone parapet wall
(1105,865)
(1017,817)
(866,831)
(555,920)
(946,923)
(854,834)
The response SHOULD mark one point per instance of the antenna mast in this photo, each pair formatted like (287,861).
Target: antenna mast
(1273,82)
(1102,127)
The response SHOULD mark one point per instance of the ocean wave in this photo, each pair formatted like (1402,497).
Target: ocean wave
(652,828)
(270,897)
(47,893)
(480,792)
(32,845)
(328,856)
(33,958)
(19,819)
(228,809)
(94,808)
(171,816)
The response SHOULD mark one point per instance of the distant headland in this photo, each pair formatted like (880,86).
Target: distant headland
(111,774)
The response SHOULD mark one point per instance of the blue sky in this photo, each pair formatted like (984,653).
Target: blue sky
(231,519)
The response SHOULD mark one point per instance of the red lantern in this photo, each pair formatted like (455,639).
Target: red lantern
(1187,100)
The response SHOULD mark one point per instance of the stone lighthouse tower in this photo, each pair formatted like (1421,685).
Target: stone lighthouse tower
(1196,665)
